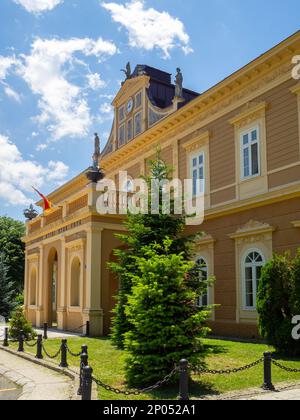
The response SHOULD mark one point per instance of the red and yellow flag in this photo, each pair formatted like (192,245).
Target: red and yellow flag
(47,203)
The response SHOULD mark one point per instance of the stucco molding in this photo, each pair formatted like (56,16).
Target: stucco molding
(296,223)
(296,89)
(196,142)
(252,231)
(251,112)
(204,239)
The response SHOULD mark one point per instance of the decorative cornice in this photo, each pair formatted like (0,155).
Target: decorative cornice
(204,239)
(197,142)
(252,228)
(251,112)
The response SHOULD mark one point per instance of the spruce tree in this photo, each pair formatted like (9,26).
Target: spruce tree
(156,318)
(166,323)
(6,290)
(142,230)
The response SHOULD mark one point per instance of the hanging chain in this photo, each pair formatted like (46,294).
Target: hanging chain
(200,371)
(158,385)
(27,343)
(287,369)
(73,354)
(49,355)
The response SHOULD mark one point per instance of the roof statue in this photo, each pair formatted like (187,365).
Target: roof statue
(179,84)
(95,173)
(30,213)
(96,154)
(127,71)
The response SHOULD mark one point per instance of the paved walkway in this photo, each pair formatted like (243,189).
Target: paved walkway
(38,383)
(52,333)
(290,395)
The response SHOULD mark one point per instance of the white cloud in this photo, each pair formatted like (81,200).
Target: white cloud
(95,82)
(17,175)
(41,147)
(12,94)
(106,108)
(38,6)
(6,63)
(64,110)
(149,28)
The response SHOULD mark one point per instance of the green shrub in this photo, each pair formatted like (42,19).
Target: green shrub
(278,302)
(18,323)
(167,325)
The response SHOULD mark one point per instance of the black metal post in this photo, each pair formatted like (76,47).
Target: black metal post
(21,342)
(63,361)
(183,380)
(83,363)
(87,382)
(5,341)
(84,349)
(45,331)
(267,385)
(87,333)
(39,347)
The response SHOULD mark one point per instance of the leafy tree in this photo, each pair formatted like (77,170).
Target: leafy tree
(6,290)
(144,229)
(18,323)
(167,324)
(278,302)
(11,245)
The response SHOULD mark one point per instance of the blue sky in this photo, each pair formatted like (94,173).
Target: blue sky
(60,64)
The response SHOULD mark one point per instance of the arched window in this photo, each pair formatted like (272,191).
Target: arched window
(32,287)
(202,268)
(252,266)
(75,282)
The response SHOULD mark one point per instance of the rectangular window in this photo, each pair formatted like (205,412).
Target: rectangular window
(122,135)
(250,158)
(198,174)
(121,114)
(138,124)
(129,130)
(138,100)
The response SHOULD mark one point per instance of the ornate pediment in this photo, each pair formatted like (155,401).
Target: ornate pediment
(249,113)
(253,228)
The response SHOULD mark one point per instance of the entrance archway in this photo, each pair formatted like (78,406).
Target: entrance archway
(52,287)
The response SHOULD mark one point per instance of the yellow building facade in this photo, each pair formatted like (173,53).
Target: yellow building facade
(242,135)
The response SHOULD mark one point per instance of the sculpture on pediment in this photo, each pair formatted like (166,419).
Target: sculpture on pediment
(179,84)
(127,71)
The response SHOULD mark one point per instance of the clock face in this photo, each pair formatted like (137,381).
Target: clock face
(129,107)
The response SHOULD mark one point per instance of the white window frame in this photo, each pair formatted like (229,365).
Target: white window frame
(136,102)
(192,169)
(119,113)
(119,137)
(135,116)
(199,301)
(243,147)
(254,280)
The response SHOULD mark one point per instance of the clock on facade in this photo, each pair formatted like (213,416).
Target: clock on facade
(129,106)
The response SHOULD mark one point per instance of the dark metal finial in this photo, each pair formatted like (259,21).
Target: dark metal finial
(30,213)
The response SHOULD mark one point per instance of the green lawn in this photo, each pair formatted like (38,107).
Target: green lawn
(108,365)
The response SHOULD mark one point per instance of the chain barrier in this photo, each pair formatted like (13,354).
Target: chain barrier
(158,385)
(73,354)
(27,343)
(49,355)
(79,328)
(285,368)
(200,371)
